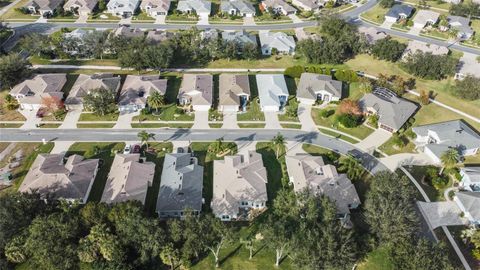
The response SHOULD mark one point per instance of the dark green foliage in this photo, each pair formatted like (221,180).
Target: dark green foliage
(346,75)
(388,49)
(13,69)
(100,101)
(429,66)
(387,3)
(348,120)
(325,113)
(294,71)
(465,9)
(468,88)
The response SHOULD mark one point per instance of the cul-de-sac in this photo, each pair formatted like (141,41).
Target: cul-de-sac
(239,134)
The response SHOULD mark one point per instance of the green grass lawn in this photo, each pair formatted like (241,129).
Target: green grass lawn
(283,117)
(167,113)
(251,125)
(293,126)
(142,16)
(253,112)
(162,125)
(99,125)
(276,169)
(106,153)
(376,14)
(472,159)
(215,125)
(280,61)
(85,117)
(377,259)
(6,114)
(419,172)
(13,14)
(95,62)
(96,17)
(389,149)
(338,135)
(360,131)
(49,125)
(10,125)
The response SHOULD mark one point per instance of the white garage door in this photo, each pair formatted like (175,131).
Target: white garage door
(270,108)
(229,108)
(201,107)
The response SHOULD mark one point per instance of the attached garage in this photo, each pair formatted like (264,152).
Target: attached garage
(228,108)
(201,107)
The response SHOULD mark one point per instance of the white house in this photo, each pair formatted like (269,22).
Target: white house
(43,7)
(196,90)
(469,203)
(122,8)
(314,87)
(237,7)
(272,91)
(398,12)
(424,18)
(31,92)
(281,42)
(307,5)
(80,7)
(155,8)
(199,7)
(278,6)
(470,178)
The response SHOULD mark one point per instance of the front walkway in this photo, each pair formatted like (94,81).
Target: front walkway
(374,140)
(305,116)
(124,120)
(442,213)
(394,161)
(71,119)
(201,120)
(31,119)
(271,120)
(230,120)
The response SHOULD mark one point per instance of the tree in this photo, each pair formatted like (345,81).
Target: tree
(278,142)
(387,3)
(353,168)
(389,208)
(365,85)
(170,256)
(294,71)
(100,243)
(185,233)
(388,49)
(424,97)
(277,234)
(157,56)
(349,106)
(10,102)
(102,5)
(52,103)
(100,101)
(215,235)
(449,158)
(144,137)
(13,69)
(468,88)
(156,100)
(35,44)
(95,43)
(250,51)
(429,66)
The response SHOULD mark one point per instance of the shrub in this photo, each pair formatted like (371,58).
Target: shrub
(348,120)
(294,71)
(439,182)
(373,120)
(326,113)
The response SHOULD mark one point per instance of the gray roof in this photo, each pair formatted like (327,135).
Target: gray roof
(198,87)
(41,86)
(123,5)
(159,35)
(156,5)
(241,37)
(472,172)
(199,6)
(398,10)
(279,40)
(306,171)
(46,5)
(426,16)
(452,134)
(270,87)
(279,3)
(125,31)
(372,34)
(311,83)
(181,184)
(462,24)
(393,111)
(84,5)
(85,83)
(471,202)
(136,89)
(231,86)
(239,5)
(49,174)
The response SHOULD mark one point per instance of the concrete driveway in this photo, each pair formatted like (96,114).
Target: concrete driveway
(82,18)
(71,119)
(374,140)
(305,116)
(230,120)
(160,19)
(415,31)
(201,120)
(441,213)
(124,120)
(248,21)
(61,147)
(31,119)
(271,120)
(245,146)
(203,20)
(295,18)
(386,24)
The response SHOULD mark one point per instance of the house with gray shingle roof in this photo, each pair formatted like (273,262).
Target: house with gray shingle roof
(52,175)
(461,25)
(308,5)
(199,7)
(238,8)
(313,87)
(310,173)
(122,8)
(392,110)
(31,92)
(415,46)
(278,6)
(424,18)
(137,89)
(281,42)
(155,8)
(240,37)
(180,187)
(272,92)
(128,179)
(372,34)
(239,186)
(470,178)
(127,32)
(86,83)
(398,12)
(435,139)
(469,203)
(43,7)
(196,90)
(80,7)
(234,92)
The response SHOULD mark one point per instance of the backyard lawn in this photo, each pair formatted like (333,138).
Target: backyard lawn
(104,151)
(360,131)
(276,169)
(377,259)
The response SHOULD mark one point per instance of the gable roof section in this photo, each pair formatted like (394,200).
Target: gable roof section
(240,5)
(200,6)
(270,86)
(46,5)
(199,87)
(470,201)
(278,40)
(473,173)
(85,83)
(84,5)
(310,83)
(241,37)
(156,5)
(231,86)
(42,85)
(462,24)
(279,3)
(398,10)
(136,89)
(123,5)
(414,46)
(426,16)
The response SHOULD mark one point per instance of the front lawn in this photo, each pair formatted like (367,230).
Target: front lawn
(166,113)
(162,125)
(360,132)
(107,17)
(472,159)
(86,116)
(97,125)
(14,14)
(104,151)
(293,106)
(338,135)
(375,15)
(390,149)
(253,112)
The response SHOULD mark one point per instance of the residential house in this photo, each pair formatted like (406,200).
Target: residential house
(30,93)
(128,179)
(314,87)
(279,41)
(180,187)
(43,7)
(86,83)
(237,8)
(310,173)
(307,5)
(459,24)
(278,6)
(468,202)
(435,139)
(200,7)
(398,12)
(392,110)
(425,18)
(272,91)
(456,1)
(196,90)
(122,8)
(127,32)
(234,92)
(372,34)
(137,89)
(158,36)
(470,178)
(239,186)
(415,46)
(239,37)
(155,8)
(209,34)
(468,65)
(55,176)
(81,7)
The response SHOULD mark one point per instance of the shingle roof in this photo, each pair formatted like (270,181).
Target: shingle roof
(279,3)
(200,6)
(240,5)
(41,86)
(84,5)
(85,83)
(181,184)
(159,35)
(472,172)
(310,83)
(123,5)
(270,86)
(461,24)
(241,37)
(414,46)
(128,179)
(278,40)
(50,175)
(199,87)
(372,34)
(156,5)
(470,201)
(231,86)
(128,32)
(392,110)
(45,4)
(397,10)
(426,16)
(136,89)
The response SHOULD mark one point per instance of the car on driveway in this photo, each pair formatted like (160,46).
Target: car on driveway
(136,149)
(128,149)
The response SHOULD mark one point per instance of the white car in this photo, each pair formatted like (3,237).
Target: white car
(127,149)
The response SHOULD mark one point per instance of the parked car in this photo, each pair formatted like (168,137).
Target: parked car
(127,149)
(136,149)
(41,112)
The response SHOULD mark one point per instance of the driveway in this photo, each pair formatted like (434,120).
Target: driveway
(374,140)
(125,20)
(160,19)
(295,18)
(441,213)
(294,148)
(31,119)
(414,31)
(201,120)
(305,116)
(386,24)
(230,120)
(394,161)
(61,147)
(203,20)
(248,21)
(124,120)
(271,120)
(71,119)
(82,18)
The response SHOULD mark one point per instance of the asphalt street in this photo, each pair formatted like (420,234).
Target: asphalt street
(111,135)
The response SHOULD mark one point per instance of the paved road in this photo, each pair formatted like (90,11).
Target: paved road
(110,135)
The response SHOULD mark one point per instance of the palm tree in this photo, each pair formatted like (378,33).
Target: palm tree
(449,159)
(279,144)
(156,101)
(145,137)
(352,167)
